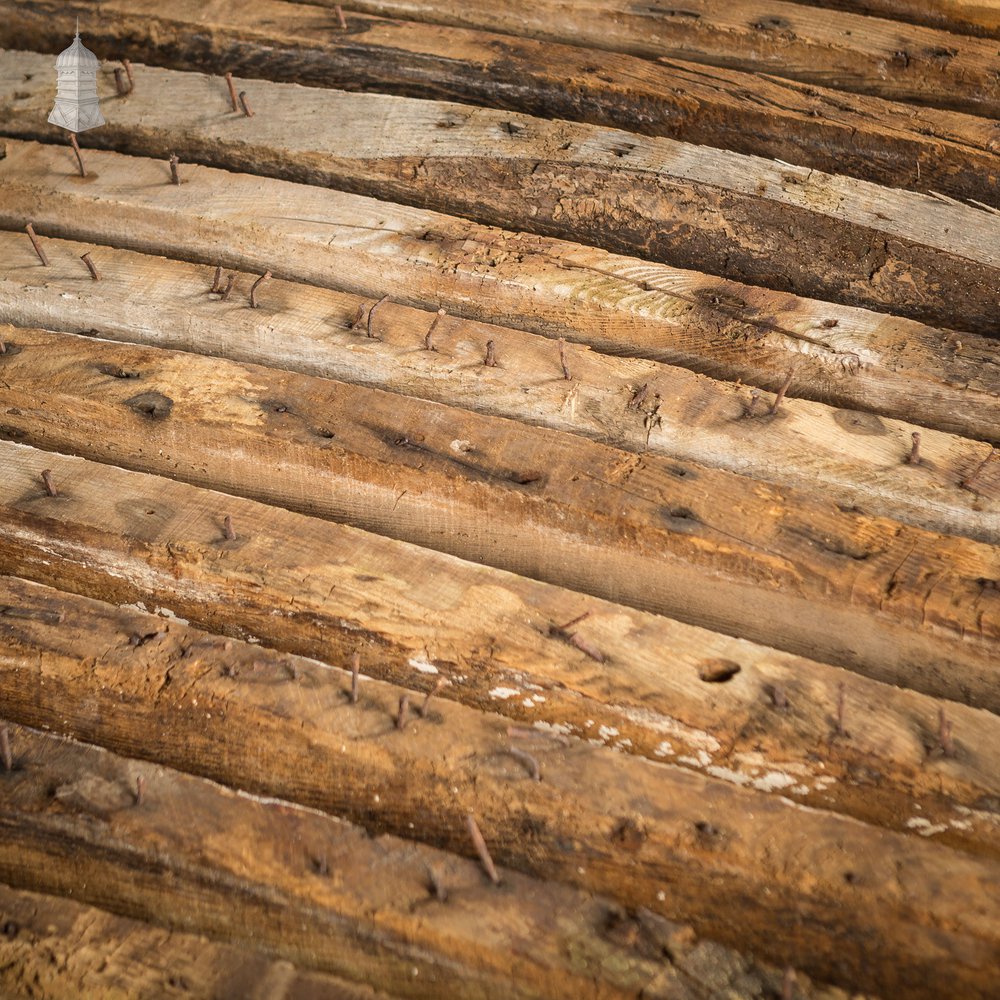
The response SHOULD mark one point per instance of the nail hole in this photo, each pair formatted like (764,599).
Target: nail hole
(10,930)
(151,404)
(718,671)
(117,372)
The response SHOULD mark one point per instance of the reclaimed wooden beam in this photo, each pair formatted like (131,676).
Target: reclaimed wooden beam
(801,41)
(55,948)
(894,603)
(70,661)
(168,303)
(688,206)
(970,17)
(326,895)
(304,887)
(66,393)
(420,258)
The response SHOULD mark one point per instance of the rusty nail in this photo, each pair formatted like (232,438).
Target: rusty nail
(438,684)
(944,734)
(481,849)
(638,397)
(216,281)
(562,359)
(788,984)
(140,787)
(79,155)
(3,347)
(371,313)
(777,696)
(437,886)
(529,762)
(340,17)
(966,484)
(174,178)
(128,73)
(781,394)
(30,230)
(90,266)
(266,276)
(490,360)
(914,457)
(247,110)
(356,322)
(232,91)
(8,760)
(50,488)
(428,344)
(754,399)
(355,668)
(841,706)
(403,711)
(230,281)
(120,85)
(227,528)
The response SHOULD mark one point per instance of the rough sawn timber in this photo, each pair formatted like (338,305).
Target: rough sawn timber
(617,304)
(76,660)
(663,95)
(972,17)
(897,604)
(688,206)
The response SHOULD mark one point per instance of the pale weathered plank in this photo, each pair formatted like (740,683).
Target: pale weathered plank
(616,304)
(68,662)
(313,890)
(973,17)
(785,882)
(894,603)
(54,948)
(684,205)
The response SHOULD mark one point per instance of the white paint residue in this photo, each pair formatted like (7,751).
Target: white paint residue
(664,749)
(460,446)
(423,666)
(702,760)
(561,728)
(961,824)
(924,827)
(167,613)
(670,726)
(504,693)
(606,732)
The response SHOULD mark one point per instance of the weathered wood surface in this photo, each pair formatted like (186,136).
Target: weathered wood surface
(800,41)
(686,206)
(973,17)
(54,948)
(322,894)
(789,883)
(67,393)
(620,305)
(886,600)
(71,662)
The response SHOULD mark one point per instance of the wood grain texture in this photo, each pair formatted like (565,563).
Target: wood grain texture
(66,393)
(619,305)
(323,894)
(72,661)
(899,605)
(688,206)
(971,17)
(310,889)
(55,948)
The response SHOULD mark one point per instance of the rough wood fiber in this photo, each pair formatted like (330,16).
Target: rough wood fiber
(688,206)
(320,893)
(166,303)
(889,601)
(972,17)
(66,393)
(73,661)
(800,41)
(54,948)
(617,304)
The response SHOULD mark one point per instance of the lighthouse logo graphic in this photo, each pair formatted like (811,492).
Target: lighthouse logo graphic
(77,107)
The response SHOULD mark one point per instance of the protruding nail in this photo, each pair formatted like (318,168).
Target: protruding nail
(245,104)
(355,670)
(216,281)
(91,266)
(788,984)
(841,709)
(777,695)
(481,849)
(436,885)
(428,340)
(529,762)
(754,400)
(781,394)
(30,230)
(490,361)
(914,457)
(227,528)
(944,734)
(371,313)
(966,484)
(140,788)
(403,712)
(638,397)
(341,20)
(562,359)
(8,759)
(50,487)
(232,92)
(438,684)
(79,155)
(128,73)
(230,281)
(121,87)
(266,276)
(174,178)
